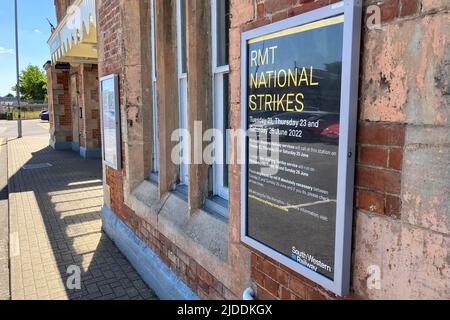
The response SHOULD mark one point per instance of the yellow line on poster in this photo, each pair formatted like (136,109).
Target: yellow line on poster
(303,28)
(271,204)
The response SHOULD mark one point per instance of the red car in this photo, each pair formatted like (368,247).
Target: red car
(331,132)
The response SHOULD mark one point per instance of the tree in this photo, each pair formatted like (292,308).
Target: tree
(33,84)
(9,95)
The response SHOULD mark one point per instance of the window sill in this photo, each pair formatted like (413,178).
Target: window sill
(170,216)
(182,191)
(217,206)
(153,178)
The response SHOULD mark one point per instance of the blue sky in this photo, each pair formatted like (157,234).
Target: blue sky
(34,32)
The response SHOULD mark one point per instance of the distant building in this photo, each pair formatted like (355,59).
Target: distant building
(8,101)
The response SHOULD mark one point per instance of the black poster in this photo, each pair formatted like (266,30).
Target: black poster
(293,103)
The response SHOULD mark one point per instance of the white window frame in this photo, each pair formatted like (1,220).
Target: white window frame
(182,99)
(155,165)
(218,73)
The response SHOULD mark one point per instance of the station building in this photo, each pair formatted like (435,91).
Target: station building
(72,75)
(179,62)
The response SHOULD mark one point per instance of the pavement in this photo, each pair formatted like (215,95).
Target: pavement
(56,246)
(4,223)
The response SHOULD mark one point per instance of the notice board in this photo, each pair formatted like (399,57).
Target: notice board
(110,121)
(299,93)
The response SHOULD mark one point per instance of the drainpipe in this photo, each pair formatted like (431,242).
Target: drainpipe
(249,294)
(19,116)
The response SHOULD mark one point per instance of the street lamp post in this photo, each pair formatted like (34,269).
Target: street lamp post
(19,119)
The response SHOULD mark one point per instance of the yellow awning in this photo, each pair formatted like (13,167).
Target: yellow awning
(75,38)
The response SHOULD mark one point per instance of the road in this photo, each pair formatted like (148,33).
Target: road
(35,128)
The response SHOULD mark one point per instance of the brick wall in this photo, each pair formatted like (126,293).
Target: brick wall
(381,144)
(392,93)
(89,97)
(111,60)
(62,80)
(59,104)
(109,28)
(379,165)
(202,282)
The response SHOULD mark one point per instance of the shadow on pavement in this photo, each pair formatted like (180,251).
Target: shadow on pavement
(61,227)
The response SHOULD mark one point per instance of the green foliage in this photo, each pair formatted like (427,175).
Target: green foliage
(33,84)
(9,95)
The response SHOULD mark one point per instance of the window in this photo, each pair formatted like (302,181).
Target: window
(155,150)
(182,89)
(220,70)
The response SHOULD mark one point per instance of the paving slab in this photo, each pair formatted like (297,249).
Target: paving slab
(4,223)
(55,229)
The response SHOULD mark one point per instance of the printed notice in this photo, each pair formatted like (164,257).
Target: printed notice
(109,121)
(293,97)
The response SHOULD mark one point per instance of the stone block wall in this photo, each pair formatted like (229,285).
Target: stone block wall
(59,105)
(91,106)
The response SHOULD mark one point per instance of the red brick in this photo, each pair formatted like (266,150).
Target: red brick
(393,206)
(269,269)
(272,286)
(255,260)
(260,10)
(395,158)
(282,277)
(374,156)
(408,7)
(389,9)
(378,179)
(204,275)
(191,274)
(307,6)
(315,295)
(370,201)
(286,294)
(217,286)
(256,24)
(375,133)
(258,277)
(272,6)
(298,287)
(279,16)
(204,286)
(298,277)
(263,294)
